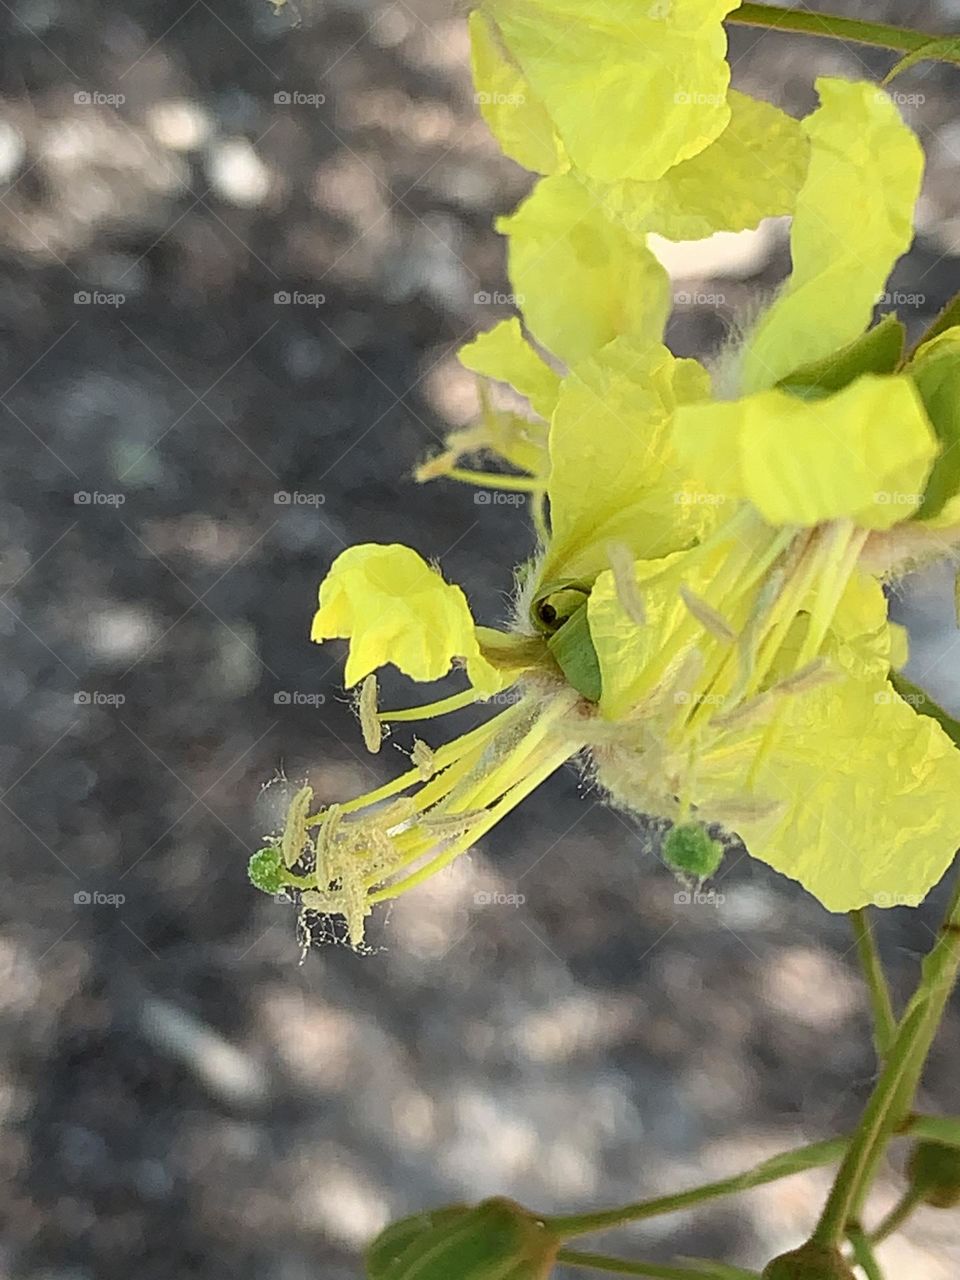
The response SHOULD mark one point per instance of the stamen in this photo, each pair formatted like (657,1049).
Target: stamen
(370,725)
(708,617)
(422,758)
(430,710)
(492,816)
(295,829)
(812,676)
(496,480)
(734,811)
(622,565)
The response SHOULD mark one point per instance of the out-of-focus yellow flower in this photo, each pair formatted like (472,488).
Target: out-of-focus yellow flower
(619,90)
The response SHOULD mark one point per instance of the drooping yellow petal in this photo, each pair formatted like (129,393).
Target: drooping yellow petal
(854,218)
(515,116)
(583,279)
(503,353)
(754,170)
(614,478)
(862,454)
(393,607)
(868,792)
(631,88)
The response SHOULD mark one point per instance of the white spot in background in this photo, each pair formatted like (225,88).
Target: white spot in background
(179,125)
(123,631)
(226,1070)
(730,254)
(12,150)
(237,174)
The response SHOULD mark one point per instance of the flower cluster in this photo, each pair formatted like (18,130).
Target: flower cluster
(704,623)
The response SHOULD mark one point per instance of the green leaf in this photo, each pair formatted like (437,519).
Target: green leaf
(494,1240)
(943,1129)
(572,647)
(948,318)
(936,373)
(879,350)
(924,705)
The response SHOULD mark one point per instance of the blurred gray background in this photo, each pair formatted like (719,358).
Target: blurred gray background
(182,1098)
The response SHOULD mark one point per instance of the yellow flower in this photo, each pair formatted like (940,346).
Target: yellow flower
(701,621)
(597,75)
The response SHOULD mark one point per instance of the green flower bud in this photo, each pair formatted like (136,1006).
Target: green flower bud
(934,1170)
(809,1262)
(495,1240)
(690,851)
(265,870)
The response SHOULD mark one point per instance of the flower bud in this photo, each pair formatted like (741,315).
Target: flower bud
(934,1170)
(810,1262)
(689,851)
(265,870)
(494,1240)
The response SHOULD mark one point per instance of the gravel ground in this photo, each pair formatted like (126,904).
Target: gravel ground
(183,1098)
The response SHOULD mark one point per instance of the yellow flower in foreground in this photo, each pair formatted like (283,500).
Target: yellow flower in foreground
(700,624)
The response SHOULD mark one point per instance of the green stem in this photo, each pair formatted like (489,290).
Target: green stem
(884,1019)
(781,1166)
(878,34)
(897,1216)
(863,1253)
(891,1097)
(652,1270)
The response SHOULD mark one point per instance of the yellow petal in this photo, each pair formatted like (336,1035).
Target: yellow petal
(503,353)
(854,218)
(584,280)
(614,478)
(514,114)
(631,88)
(862,453)
(637,662)
(754,170)
(393,607)
(869,794)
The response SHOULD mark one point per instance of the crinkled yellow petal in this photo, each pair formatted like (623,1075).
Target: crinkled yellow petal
(613,476)
(515,116)
(754,170)
(862,453)
(869,794)
(393,607)
(867,644)
(503,353)
(584,280)
(632,88)
(854,218)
